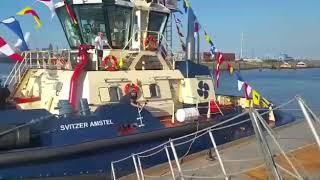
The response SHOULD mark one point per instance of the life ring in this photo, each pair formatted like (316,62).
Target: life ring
(150,43)
(114,63)
(131,87)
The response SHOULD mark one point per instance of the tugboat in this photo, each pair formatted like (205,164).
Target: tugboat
(72,115)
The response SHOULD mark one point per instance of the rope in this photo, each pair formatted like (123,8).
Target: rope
(152,154)
(194,139)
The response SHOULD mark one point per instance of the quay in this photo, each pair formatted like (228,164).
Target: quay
(242,159)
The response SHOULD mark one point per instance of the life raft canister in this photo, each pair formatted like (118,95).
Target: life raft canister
(150,43)
(114,63)
(131,87)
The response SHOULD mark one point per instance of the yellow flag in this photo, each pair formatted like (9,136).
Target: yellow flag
(265,102)
(231,70)
(121,63)
(256,97)
(187,3)
(208,39)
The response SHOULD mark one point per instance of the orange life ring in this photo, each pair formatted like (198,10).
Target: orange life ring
(114,63)
(150,43)
(131,87)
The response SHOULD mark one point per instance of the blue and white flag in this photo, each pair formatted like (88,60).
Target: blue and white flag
(14,26)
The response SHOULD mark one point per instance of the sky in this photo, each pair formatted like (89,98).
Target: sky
(270,27)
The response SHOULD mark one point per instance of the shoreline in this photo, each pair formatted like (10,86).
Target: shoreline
(243,65)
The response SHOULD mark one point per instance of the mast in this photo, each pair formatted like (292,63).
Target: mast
(241,49)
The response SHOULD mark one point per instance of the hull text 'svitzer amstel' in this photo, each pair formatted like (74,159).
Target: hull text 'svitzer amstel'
(119,90)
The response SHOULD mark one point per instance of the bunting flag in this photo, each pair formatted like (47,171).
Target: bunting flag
(14,26)
(179,32)
(196,29)
(208,38)
(183,46)
(265,102)
(256,97)
(50,5)
(212,51)
(220,61)
(240,84)
(121,63)
(247,90)
(178,21)
(186,5)
(19,42)
(70,13)
(29,10)
(8,51)
(231,69)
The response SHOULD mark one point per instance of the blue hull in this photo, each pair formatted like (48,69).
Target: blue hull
(80,150)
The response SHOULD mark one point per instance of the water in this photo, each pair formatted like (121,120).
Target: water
(278,86)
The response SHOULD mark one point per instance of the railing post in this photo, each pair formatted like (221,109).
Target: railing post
(209,110)
(169,160)
(136,166)
(218,155)
(309,120)
(264,147)
(140,167)
(173,113)
(113,173)
(176,159)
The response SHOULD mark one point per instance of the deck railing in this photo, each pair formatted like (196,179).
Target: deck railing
(35,60)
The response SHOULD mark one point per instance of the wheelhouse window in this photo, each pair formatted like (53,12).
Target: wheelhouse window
(72,34)
(91,21)
(157,22)
(119,19)
(151,91)
(154,91)
(115,94)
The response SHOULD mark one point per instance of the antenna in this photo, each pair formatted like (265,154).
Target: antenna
(241,49)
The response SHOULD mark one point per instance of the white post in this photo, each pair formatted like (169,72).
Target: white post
(209,110)
(218,155)
(136,166)
(140,167)
(309,120)
(176,159)
(113,172)
(173,113)
(169,160)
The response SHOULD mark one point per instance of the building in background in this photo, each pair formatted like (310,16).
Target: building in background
(206,56)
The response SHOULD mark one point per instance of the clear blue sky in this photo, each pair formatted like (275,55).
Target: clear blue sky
(270,27)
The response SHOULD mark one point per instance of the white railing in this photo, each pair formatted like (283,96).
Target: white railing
(258,124)
(31,59)
(160,38)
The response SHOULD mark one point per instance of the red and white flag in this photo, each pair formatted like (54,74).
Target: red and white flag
(247,90)
(8,51)
(50,5)
(220,61)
